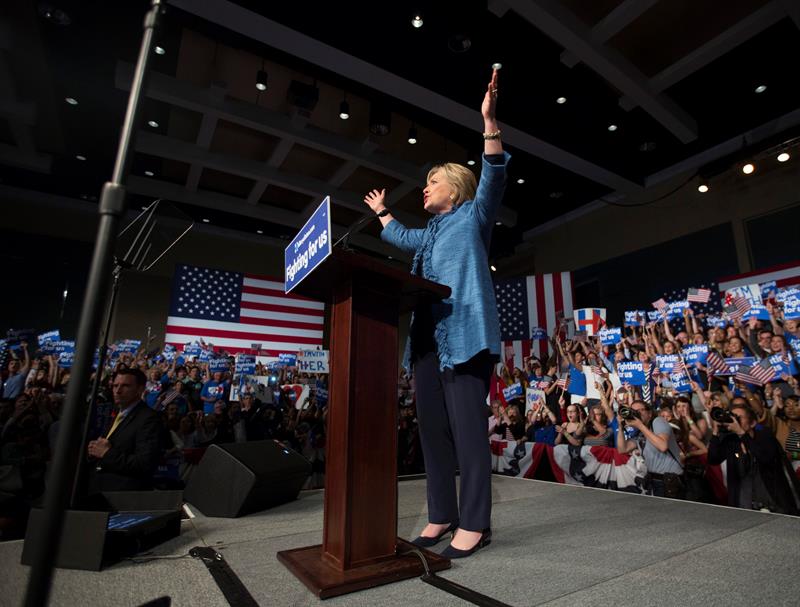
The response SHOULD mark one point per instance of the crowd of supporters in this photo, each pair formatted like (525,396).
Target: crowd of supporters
(677,427)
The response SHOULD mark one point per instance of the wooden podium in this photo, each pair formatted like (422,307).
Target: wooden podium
(360,546)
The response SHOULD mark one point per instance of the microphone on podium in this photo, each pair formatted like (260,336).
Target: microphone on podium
(360,223)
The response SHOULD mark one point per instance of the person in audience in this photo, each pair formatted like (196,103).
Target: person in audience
(14,383)
(572,431)
(598,433)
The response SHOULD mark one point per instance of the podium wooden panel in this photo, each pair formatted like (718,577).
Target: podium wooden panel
(360,546)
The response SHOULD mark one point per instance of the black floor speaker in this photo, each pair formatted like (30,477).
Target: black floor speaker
(235,479)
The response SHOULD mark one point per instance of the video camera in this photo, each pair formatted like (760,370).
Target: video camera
(628,414)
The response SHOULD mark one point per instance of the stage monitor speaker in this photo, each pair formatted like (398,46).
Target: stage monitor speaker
(235,479)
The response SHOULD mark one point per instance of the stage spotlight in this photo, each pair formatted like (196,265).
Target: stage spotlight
(520,181)
(498,223)
(748,168)
(261,80)
(71,100)
(612,127)
(206,220)
(761,88)
(494,269)
(561,100)
(344,110)
(471,162)
(152,123)
(702,188)
(783,157)
(417,21)
(149,173)
(159,50)
(259,231)
(412,135)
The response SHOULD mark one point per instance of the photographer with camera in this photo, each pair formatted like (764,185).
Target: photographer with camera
(656,443)
(758,474)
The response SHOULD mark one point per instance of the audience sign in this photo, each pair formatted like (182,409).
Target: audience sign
(538,333)
(513,391)
(783,365)
(695,354)
(666,362)
(220,365)
(192,350)
(67,355)
(49,337)
(128,345)
(788,293)
(322,396)
(312,361)
(791,308)
(654,315)
(245,364)
(768,290)
(751,293)
(206,355)
(758,311)
(310,247)
(63,346)
(680,382)
(794,342)
(631,372)
(610,336)
(716,321)
(287,360)
(532,397)
(676,309)
(735,363)
(633,318)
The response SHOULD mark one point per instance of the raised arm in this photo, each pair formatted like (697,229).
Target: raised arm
(394,232)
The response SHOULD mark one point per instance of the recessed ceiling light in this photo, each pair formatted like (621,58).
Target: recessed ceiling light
(160,50)
(783,157)
(748,168)
(493,268)
(417,21)
(149,173)
(152,123)
(471,162)
(259,231)
(498,223)
(612,127)
(206,220)
(761,88)
(520,181)
(80,156)
(702,188)
(71,100)
(561,100)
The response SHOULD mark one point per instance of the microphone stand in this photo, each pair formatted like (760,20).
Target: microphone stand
(364,220)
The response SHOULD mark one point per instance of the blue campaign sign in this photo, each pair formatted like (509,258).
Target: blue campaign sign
(631,372)
(654,315)
(192,350)
(788,293)
(205,355)
(219,364)
(245,364)
(782,366)
(513,391)
(676,309)
(758,311)
(63,346)
(768,290)
(538,333)
(695,354)
(716,321)
(666,362)
(634,318)
(735,363)
(66,357)
(680,382)
(322,396)
(791,308)
(310,247)
(611,336)
(48,337)
(287,360)
(794,342)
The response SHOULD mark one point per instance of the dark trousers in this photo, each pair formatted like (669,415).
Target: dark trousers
(452,414)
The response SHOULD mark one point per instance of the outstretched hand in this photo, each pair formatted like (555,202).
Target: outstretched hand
(375,200)
(489,104)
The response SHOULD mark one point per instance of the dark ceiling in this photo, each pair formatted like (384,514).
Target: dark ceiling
(676,77)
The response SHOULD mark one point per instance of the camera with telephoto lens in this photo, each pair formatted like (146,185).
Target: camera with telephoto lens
(721,416)
(628,414)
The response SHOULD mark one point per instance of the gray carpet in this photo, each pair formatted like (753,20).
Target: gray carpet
(553,545)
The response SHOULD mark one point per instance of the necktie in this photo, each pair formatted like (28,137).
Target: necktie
(117,421)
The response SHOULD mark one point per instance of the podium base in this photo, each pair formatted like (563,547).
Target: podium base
(326,581)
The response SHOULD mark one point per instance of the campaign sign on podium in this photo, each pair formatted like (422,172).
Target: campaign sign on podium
(309,248)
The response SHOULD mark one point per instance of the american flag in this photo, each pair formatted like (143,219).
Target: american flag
(736,307)
(716,364)
(660,304)
(563,382)
(529,302)
(758,374)
(700,309)
(233,311)
(698,295)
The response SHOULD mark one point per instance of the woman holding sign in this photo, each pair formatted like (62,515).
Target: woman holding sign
(454,343)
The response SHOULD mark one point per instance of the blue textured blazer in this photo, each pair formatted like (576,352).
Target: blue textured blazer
(453,250)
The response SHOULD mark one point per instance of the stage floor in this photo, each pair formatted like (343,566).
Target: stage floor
(553,545)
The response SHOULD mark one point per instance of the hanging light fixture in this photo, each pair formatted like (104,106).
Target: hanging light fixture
(344,108)
(261,78)
(412,134)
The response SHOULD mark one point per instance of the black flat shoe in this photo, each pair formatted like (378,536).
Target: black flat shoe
(427,542)
(455,553)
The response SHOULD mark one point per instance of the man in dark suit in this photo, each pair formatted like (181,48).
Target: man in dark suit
(127,457)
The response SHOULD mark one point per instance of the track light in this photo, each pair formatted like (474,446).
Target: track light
(783,156)
(748,168)
(261,80)
(703,187)
(344,110)
(159,50)
(412,135)
(417,21)
(471,162)
(494,269)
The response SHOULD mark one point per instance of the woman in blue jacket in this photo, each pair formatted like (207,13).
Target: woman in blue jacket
(453,344)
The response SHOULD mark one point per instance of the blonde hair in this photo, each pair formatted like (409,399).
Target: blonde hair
(460,177)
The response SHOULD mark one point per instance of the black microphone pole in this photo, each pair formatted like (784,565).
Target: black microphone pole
(65,460)
(360,223)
